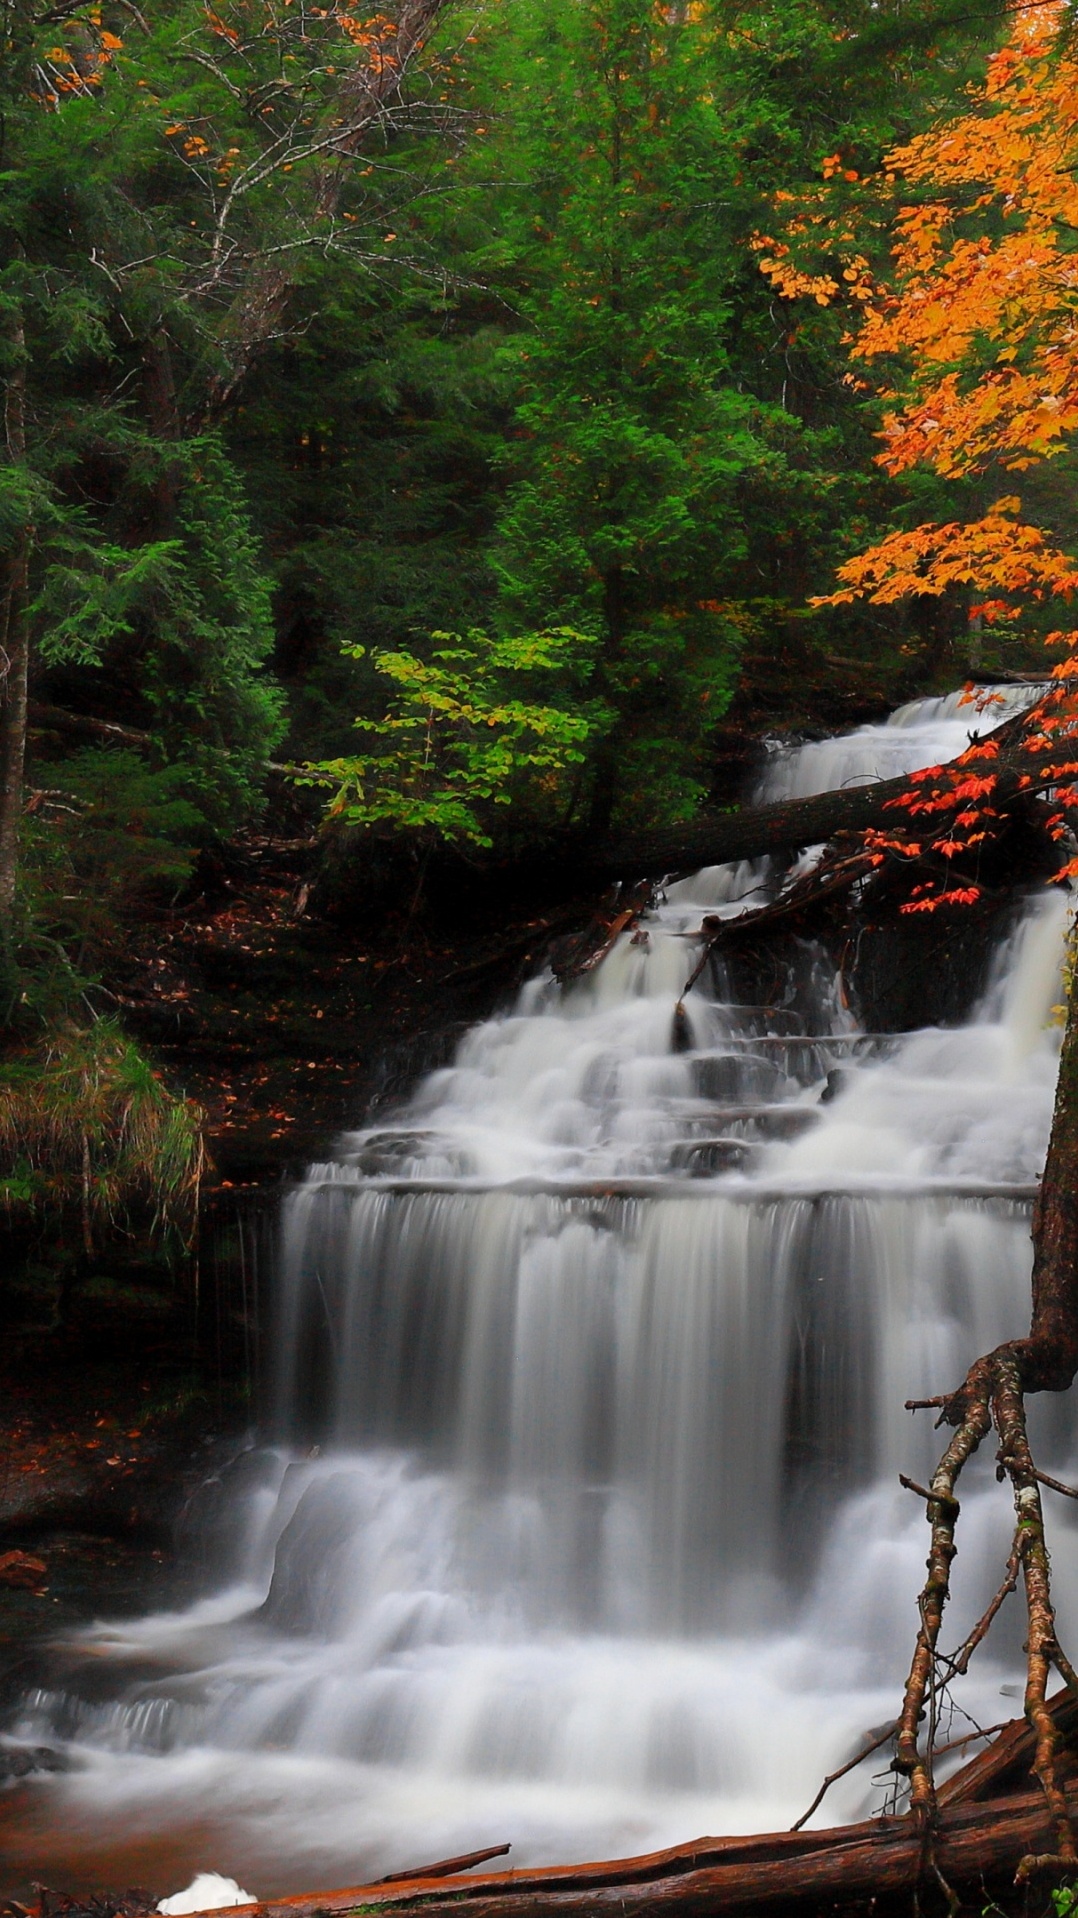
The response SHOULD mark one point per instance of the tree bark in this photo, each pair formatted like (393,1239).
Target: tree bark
(1051,1351)
(15,642)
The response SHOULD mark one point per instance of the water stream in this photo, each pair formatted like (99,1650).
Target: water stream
(582,1527)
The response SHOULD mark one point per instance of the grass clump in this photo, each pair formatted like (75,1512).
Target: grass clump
(87,1129)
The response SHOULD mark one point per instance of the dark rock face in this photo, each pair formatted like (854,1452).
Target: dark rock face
(924,969)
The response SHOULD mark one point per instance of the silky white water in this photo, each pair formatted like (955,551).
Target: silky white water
(583,1529)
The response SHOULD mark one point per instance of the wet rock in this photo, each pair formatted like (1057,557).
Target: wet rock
(786,1122)
(837,1081)
(701,1157)
(21,1761)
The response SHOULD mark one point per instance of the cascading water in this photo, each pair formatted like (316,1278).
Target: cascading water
(583,1529)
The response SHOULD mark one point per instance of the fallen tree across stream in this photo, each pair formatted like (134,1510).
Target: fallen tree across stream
(990,1815)
(784,825)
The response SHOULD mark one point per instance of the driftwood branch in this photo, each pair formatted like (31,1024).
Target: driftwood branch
(447,1867)
(768,1872)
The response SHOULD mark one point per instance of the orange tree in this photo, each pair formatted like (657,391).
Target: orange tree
(975,335)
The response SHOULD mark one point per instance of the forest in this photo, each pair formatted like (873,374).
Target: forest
(451,457)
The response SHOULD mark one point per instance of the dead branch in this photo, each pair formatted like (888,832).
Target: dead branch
(835,875)
(1055,1485)
(367,91)
(1007,1764)
(850,1765)
(571,958)
(447,1867)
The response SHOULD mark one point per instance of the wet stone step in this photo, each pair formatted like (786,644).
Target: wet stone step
(785,1120)
(754,1020)
(730,1077)
(387,1152)
(702,1157)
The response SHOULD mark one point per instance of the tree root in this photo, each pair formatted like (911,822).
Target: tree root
(991,1396)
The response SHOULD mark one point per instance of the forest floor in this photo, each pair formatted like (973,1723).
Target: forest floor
(285,1026)
(88,1459)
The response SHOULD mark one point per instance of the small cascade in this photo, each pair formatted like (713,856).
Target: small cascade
(925,732)
(582,1526)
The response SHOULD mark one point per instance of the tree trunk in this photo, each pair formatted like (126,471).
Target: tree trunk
(1051,1351)
(15,641)
(783,826)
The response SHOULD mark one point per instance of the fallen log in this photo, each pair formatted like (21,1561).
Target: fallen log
(1008,1762)
(878,1857)
(835,876)
(787,825)
(784,825)
(57,719)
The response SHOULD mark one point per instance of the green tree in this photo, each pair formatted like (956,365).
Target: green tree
(630,439)
(167,183)
(464,734)
(681,467)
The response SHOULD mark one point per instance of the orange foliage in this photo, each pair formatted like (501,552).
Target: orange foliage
(997,553)
(982,316)
(986,271)
(77,69)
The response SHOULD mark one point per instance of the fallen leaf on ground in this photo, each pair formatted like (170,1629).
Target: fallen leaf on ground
(18,1568)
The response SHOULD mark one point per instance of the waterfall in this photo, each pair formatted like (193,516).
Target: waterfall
(581,1524)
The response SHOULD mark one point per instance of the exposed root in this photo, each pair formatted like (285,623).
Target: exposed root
(954,1902)
(1009,1413)
(992,1395)
(910,1761)
(1041,1864)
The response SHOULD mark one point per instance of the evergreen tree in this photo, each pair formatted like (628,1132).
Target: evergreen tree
(682,468)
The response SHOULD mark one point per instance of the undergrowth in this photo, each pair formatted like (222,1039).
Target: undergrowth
(91,1140)
(88,1129)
